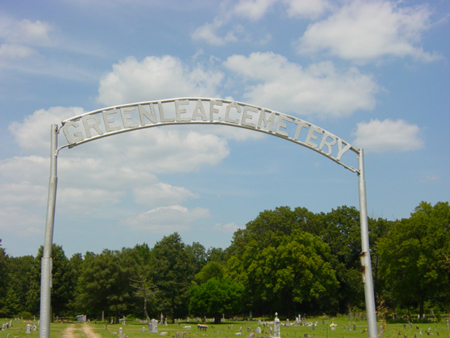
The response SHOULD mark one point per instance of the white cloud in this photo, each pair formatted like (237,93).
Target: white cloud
(161,194)
(22,222)
(253,9)
(229,227)
(95,178)
(318,90)
(365,30)
(306,8)
(388,135)
(155,78)
(32,169)
(14,194)
(11,51)
(83,200)
(167,219)
(209,32)
(33,133)
(27,32)
(225,28)
(20,37)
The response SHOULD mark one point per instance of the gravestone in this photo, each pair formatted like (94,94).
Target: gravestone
(258,330)
(154,326)
(287,322)
(143,329)
(120,332)
(276,326)
(354,327)
(28,331)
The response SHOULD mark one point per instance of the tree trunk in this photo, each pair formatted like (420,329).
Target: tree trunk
(421,301)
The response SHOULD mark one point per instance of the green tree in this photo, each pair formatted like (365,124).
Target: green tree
(293,273)
(216,297)
(63,283)
(19,283)
(172,272)
(413,257)
(3,281)
(104,283)
(198,256)
(210,270)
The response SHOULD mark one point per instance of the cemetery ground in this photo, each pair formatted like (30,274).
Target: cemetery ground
(344,327)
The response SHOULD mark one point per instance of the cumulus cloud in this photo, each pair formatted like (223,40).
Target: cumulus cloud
(20,221)
(162,194)
(388,135)
(33,133)
(226,29)
(365,30)
(156,78)
(167,219)
(306,8)
(19,39)
(27,32)
(96,178)
(229,227)
(319,90)
(209,32)
(253,9)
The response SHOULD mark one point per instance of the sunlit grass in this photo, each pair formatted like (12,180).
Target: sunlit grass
(232,329)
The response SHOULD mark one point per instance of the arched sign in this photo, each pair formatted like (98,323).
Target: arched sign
(189,111)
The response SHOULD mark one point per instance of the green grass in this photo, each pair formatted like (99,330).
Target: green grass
(133,329)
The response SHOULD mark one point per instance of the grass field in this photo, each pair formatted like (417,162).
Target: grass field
(229,330)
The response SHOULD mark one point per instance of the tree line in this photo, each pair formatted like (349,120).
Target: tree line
(290,261)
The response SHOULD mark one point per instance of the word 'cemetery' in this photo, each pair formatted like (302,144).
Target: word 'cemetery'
(108,121)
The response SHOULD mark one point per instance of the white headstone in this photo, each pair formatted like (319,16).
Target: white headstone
(154,327)
(276,326)
(28,331)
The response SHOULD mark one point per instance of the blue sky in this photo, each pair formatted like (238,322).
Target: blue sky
(374,73)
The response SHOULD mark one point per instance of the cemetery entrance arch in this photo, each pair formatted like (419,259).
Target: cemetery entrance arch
(189,111)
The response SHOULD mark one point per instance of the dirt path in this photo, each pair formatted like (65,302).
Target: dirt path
(68,333)
(87,330)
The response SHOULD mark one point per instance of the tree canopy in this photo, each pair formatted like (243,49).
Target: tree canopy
(285,260)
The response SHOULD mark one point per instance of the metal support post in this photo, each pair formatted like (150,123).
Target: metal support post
(46,262)
(366,266)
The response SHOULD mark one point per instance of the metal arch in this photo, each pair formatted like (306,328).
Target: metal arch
(46,263)
(277,124)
